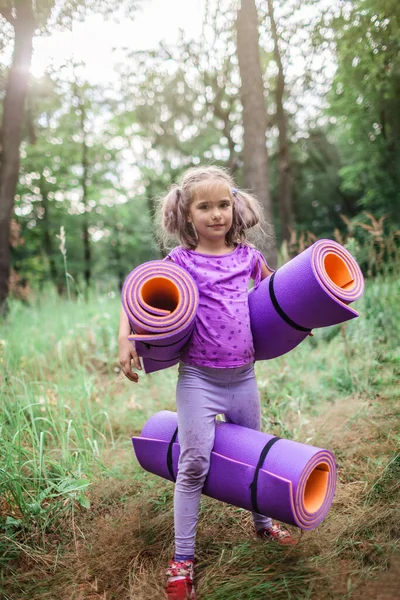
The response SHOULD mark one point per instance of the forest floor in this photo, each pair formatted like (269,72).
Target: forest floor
(352,555)
(111,537)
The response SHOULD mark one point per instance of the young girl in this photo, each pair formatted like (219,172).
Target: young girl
(210,219)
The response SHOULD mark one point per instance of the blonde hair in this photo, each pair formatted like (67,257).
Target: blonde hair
(174,208)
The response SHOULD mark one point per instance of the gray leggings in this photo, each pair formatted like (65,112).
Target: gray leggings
(202,393)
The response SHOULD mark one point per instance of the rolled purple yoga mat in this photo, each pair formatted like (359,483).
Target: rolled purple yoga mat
(160,300)
(311,290)
(292,482)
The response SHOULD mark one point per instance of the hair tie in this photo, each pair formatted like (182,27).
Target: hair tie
(234,191)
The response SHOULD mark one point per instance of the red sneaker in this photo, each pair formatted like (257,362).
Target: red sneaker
(278,534)
(180,580)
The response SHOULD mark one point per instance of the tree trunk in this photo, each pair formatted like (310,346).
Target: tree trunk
(121,274)
(87,251)
(254,115)
(13,111)
(284,165)
(47,239)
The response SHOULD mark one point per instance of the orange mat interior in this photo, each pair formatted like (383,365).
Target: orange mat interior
(160,292)
(338,272)
(316,486)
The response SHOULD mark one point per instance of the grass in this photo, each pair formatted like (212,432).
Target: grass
(78,517)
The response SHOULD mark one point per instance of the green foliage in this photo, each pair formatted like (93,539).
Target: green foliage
(364,99)
(185,109)
(72,177)
(178,106)
(317,199)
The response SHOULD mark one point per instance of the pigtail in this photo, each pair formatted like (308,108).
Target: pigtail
(247,210)
(170,210)
(174,226)
(247,214)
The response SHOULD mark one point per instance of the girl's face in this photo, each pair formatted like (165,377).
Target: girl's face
(211,211)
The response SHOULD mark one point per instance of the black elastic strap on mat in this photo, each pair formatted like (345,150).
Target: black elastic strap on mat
(253,485)
(278,309)
(169,455)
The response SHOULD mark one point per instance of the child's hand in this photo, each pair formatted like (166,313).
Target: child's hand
(127,353)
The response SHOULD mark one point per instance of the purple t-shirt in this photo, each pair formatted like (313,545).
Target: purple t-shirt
(222,336)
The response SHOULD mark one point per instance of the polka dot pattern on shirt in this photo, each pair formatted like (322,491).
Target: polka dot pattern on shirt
(223,314)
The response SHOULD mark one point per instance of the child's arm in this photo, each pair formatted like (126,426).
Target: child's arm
(265,271)
(127,351)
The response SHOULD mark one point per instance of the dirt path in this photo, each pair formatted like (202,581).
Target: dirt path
(362,436)
(353,543)
(385,587)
